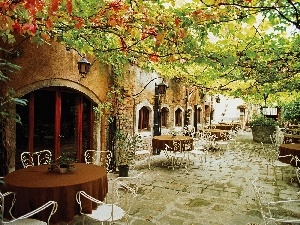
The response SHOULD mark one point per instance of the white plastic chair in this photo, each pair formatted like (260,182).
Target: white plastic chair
(267,207)
(99,158)
(25,219)
(123,196)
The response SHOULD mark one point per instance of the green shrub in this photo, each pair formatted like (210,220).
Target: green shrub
(291,111)
(261,120)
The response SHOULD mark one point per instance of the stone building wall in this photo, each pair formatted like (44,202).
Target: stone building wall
(51,65)
(140,90)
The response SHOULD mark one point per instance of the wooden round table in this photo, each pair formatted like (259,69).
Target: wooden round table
(224,126)
(289,149)
(291,138)
(158,142)
(217,132)
(36,185)
(292,131)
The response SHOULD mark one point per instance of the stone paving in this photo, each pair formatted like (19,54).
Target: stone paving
(216,192)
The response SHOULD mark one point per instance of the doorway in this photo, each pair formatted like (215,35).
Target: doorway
(56,118)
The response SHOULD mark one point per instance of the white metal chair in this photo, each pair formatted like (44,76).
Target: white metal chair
(223,144)
(27,159)
(168,153)
(25,219)
(267,208)
(143,152)
(12,201)
(118,206)
(176,154)
(273,161)
(198,151)
(43,157)
(99,158)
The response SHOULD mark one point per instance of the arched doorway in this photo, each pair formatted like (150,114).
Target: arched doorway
(56,118)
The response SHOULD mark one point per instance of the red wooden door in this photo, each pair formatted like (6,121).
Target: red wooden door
(58,119)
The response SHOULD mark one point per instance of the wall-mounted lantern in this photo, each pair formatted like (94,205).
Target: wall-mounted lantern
(162,88)
(83,66)
(218,99)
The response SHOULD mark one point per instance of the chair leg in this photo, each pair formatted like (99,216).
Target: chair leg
(173,166)
(149,161)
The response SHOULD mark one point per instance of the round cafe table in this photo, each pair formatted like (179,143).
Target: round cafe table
(289,149)
(291,138)
(158,142)
(35,186)
(224,126)
(219,134)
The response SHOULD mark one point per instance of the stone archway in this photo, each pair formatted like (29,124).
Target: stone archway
(40,85)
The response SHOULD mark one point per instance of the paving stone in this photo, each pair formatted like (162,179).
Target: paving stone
(216,192)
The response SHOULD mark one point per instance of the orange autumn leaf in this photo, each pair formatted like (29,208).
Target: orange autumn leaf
(79,24)
(49,24)
(182,33)
(177,21)
(45,36)
(30,4)
(54,6)
(159,38)
(153,58)
(69,6)
(112,22)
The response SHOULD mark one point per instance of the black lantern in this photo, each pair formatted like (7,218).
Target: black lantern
(83,66)
(162,87)
(160,90)
(218,99)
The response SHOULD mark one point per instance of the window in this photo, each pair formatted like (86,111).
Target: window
(164,117)
(178,118)
(199,115)
(143,119)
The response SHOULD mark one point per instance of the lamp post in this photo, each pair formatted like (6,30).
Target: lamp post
(160,90)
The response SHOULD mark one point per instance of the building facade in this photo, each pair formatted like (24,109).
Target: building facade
(61,111)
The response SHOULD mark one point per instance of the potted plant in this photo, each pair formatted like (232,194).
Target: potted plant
(262,127)
(64,163)
(126,145)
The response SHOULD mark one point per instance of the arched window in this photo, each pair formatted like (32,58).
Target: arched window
(178,117)
(143,118)
(164,117)
(199,115)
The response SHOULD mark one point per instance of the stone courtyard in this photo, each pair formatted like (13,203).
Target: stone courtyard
(216,192)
